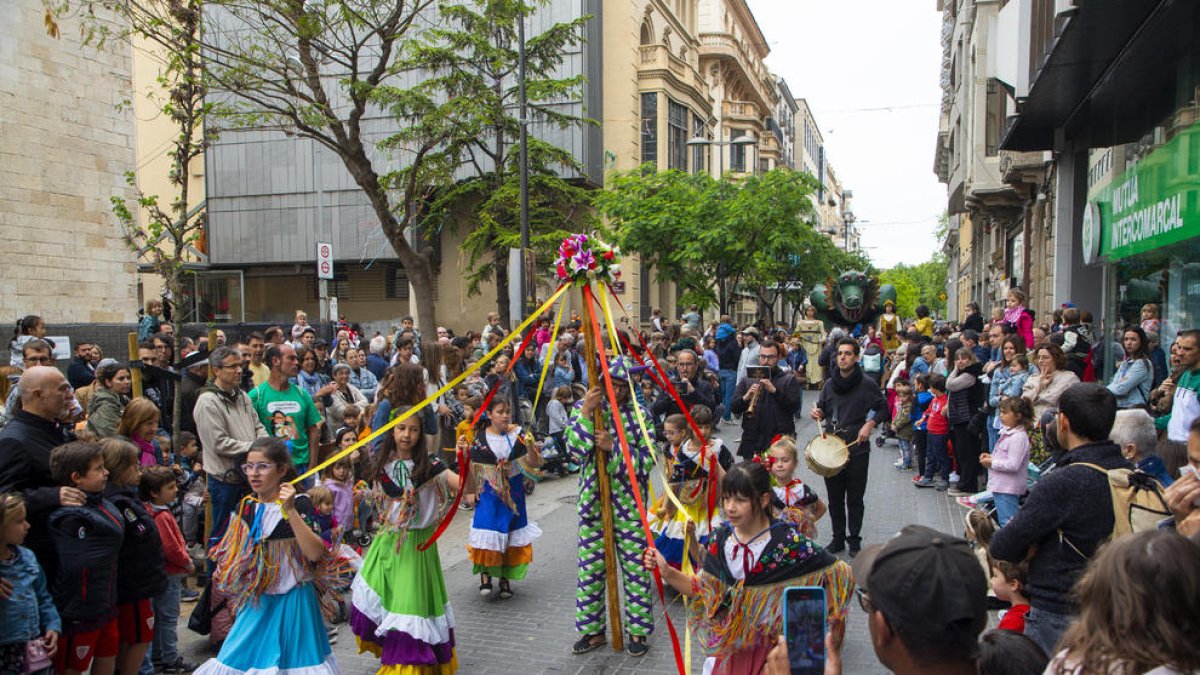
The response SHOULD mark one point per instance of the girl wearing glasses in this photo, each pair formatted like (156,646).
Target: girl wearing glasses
(400,609)
(273,567)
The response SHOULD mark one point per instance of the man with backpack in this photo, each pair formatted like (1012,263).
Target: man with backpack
(1068,513)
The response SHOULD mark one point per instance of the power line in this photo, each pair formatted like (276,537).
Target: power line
(888,108)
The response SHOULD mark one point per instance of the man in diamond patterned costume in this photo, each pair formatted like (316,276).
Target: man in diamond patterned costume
(629,538)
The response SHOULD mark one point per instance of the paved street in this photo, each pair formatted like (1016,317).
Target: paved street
(532,632)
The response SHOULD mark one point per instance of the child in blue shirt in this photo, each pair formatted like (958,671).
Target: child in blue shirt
(920,434)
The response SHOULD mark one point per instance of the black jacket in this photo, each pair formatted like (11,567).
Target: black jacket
(774,414)
(848,403)
(88,539)
(190,391)
(964,403)
(728,353)
(973,322)
(141,569)
(1073,501)
(80,373)
(25,445)
(701,393)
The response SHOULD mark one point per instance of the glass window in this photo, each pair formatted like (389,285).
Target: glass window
(212,297)
(677,128)
(737,156)
(699,130)
(650,128)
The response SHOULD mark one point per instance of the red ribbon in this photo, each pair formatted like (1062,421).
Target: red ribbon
(627,455)
(666,385)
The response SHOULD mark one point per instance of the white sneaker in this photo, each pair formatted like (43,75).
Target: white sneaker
(953,477)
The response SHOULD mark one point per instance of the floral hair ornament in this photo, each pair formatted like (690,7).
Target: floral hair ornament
(583,258)
(766,460)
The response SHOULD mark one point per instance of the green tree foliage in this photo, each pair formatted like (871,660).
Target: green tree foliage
(921,284)
(466,110)
(715,238)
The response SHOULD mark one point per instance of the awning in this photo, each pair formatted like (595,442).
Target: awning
(1109,60)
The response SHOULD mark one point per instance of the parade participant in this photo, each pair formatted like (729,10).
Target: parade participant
(501,540)
(583,438)
(848,407)
(812,336)
(274,568)
(400,609)
(736,601)
(889,327)
(688,464)
(795,502)
(775,398)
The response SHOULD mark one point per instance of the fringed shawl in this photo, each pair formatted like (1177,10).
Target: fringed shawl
(397,505)
(489,468)
(730,615)
(249,561)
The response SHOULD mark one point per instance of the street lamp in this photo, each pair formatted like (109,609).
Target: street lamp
(743,140)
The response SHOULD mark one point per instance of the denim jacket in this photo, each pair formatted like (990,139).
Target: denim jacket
(30,611)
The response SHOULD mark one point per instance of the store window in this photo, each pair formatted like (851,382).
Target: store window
(212,297)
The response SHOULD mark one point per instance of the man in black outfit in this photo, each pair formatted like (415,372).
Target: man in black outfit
(848,407)
(692,387)
(779,398)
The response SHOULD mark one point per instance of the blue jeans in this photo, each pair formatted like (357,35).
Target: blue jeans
(1045,628)
(165,647)
(906,454)
(728,384)
(224,498)
(1006,506)
(937,457)
(993,432)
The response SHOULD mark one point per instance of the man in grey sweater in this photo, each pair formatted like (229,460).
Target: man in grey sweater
(226,424)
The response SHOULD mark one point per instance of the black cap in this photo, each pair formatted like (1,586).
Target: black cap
(924,576)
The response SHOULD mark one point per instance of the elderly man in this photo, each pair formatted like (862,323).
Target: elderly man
(226,424)
(25,444)
(377,361)
(693,388)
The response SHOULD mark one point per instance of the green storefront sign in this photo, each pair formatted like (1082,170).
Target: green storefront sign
(1155,203)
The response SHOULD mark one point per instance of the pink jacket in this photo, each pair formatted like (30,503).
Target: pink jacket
(1010,462)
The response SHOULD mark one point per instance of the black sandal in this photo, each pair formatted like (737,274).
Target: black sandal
(485,586)
(505,590)
(637,645)
(585,644)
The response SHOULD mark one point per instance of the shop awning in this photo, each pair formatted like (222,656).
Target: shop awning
(1104,48)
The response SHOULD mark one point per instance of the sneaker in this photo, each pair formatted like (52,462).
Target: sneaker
(954,477)
(465,506)
(189,595)
(941,484)
(955,492)
(899,465)
(180,666)
(965,502)
(922,482)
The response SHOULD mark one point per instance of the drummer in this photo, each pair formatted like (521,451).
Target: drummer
(848,407)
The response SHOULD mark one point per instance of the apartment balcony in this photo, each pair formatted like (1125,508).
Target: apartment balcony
(740,111)
(1023,167)
(723,46)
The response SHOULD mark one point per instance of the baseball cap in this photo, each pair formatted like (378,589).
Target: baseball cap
(925,576)
(750,330)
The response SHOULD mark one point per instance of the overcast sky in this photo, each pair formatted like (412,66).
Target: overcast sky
(870,71)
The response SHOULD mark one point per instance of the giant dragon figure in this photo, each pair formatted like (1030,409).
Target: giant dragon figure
(853,300)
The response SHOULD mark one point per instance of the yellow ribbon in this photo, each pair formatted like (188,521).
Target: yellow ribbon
(516,332)
(546,365)
(686,564)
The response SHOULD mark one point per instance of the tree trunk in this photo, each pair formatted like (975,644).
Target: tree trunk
(500,267)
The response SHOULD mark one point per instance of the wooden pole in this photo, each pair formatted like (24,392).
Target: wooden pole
(135,373)
(606,511)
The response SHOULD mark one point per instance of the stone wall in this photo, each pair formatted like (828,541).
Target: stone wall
(64,147)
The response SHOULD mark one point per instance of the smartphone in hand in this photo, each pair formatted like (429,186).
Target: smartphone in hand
(804,629)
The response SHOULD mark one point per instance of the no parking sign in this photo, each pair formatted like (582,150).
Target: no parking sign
(324,260)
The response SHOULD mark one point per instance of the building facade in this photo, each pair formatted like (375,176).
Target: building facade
(1111,90)
(65,149)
